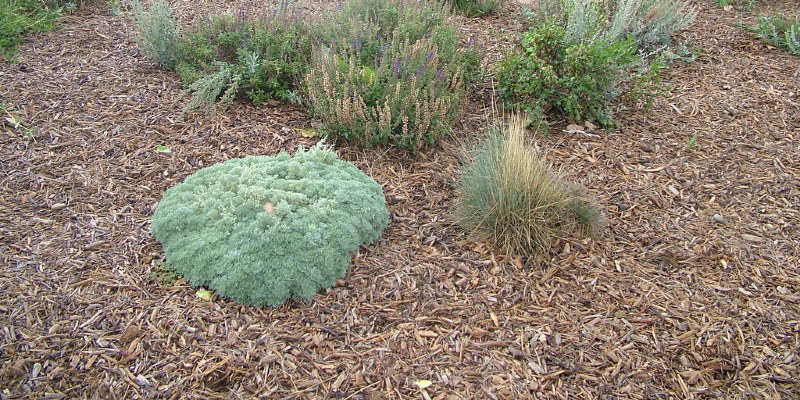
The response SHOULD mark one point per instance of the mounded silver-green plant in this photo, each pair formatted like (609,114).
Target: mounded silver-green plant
(261,230)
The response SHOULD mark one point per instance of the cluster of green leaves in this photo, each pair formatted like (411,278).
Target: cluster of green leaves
(14,120)
(264,229)
(17,17)
(779,31)
(474,8)
(387,72)
(508,194)
(581,56)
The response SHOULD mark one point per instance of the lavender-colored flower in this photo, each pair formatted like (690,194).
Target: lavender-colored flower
(340,6)
(430,56)
(357,43)
(440,73)
(396,65)
(385,48)
(421,70)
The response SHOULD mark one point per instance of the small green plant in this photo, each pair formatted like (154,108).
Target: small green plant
(691,142)
(162,273)
(743,5)
(216,91)
(549,75)
(14,120)
(264,229)
(18,17)
(158,31)
(387,72)
(474,8)
(114,7)
(510,196)
(778,31)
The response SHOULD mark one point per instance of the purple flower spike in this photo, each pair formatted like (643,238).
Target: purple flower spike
(357,43)
(421,70)
(385,48)
(429,56)
(396,65)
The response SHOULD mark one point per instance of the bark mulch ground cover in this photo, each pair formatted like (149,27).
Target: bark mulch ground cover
(692,290)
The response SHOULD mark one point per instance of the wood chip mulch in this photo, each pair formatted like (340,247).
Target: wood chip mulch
(692,291)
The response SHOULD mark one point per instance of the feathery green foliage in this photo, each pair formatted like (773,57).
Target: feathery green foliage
(215,91)
(779,31)
(158,31)
(17,17)
(261,230)
(510,196)
(388,72)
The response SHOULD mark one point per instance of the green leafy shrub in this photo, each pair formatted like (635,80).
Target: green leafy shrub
(550,75)
(388,72)
(261,230)
(17,17)
(510,196)
(650,22)
(581,56)
(158,32)
(779,31)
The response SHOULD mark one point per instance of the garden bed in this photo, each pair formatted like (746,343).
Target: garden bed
(692,290)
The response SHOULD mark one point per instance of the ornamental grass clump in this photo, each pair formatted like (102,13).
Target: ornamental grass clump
(388,72)
(261,230)
(510,196)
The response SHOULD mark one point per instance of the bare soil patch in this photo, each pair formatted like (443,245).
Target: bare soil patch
(692,291)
